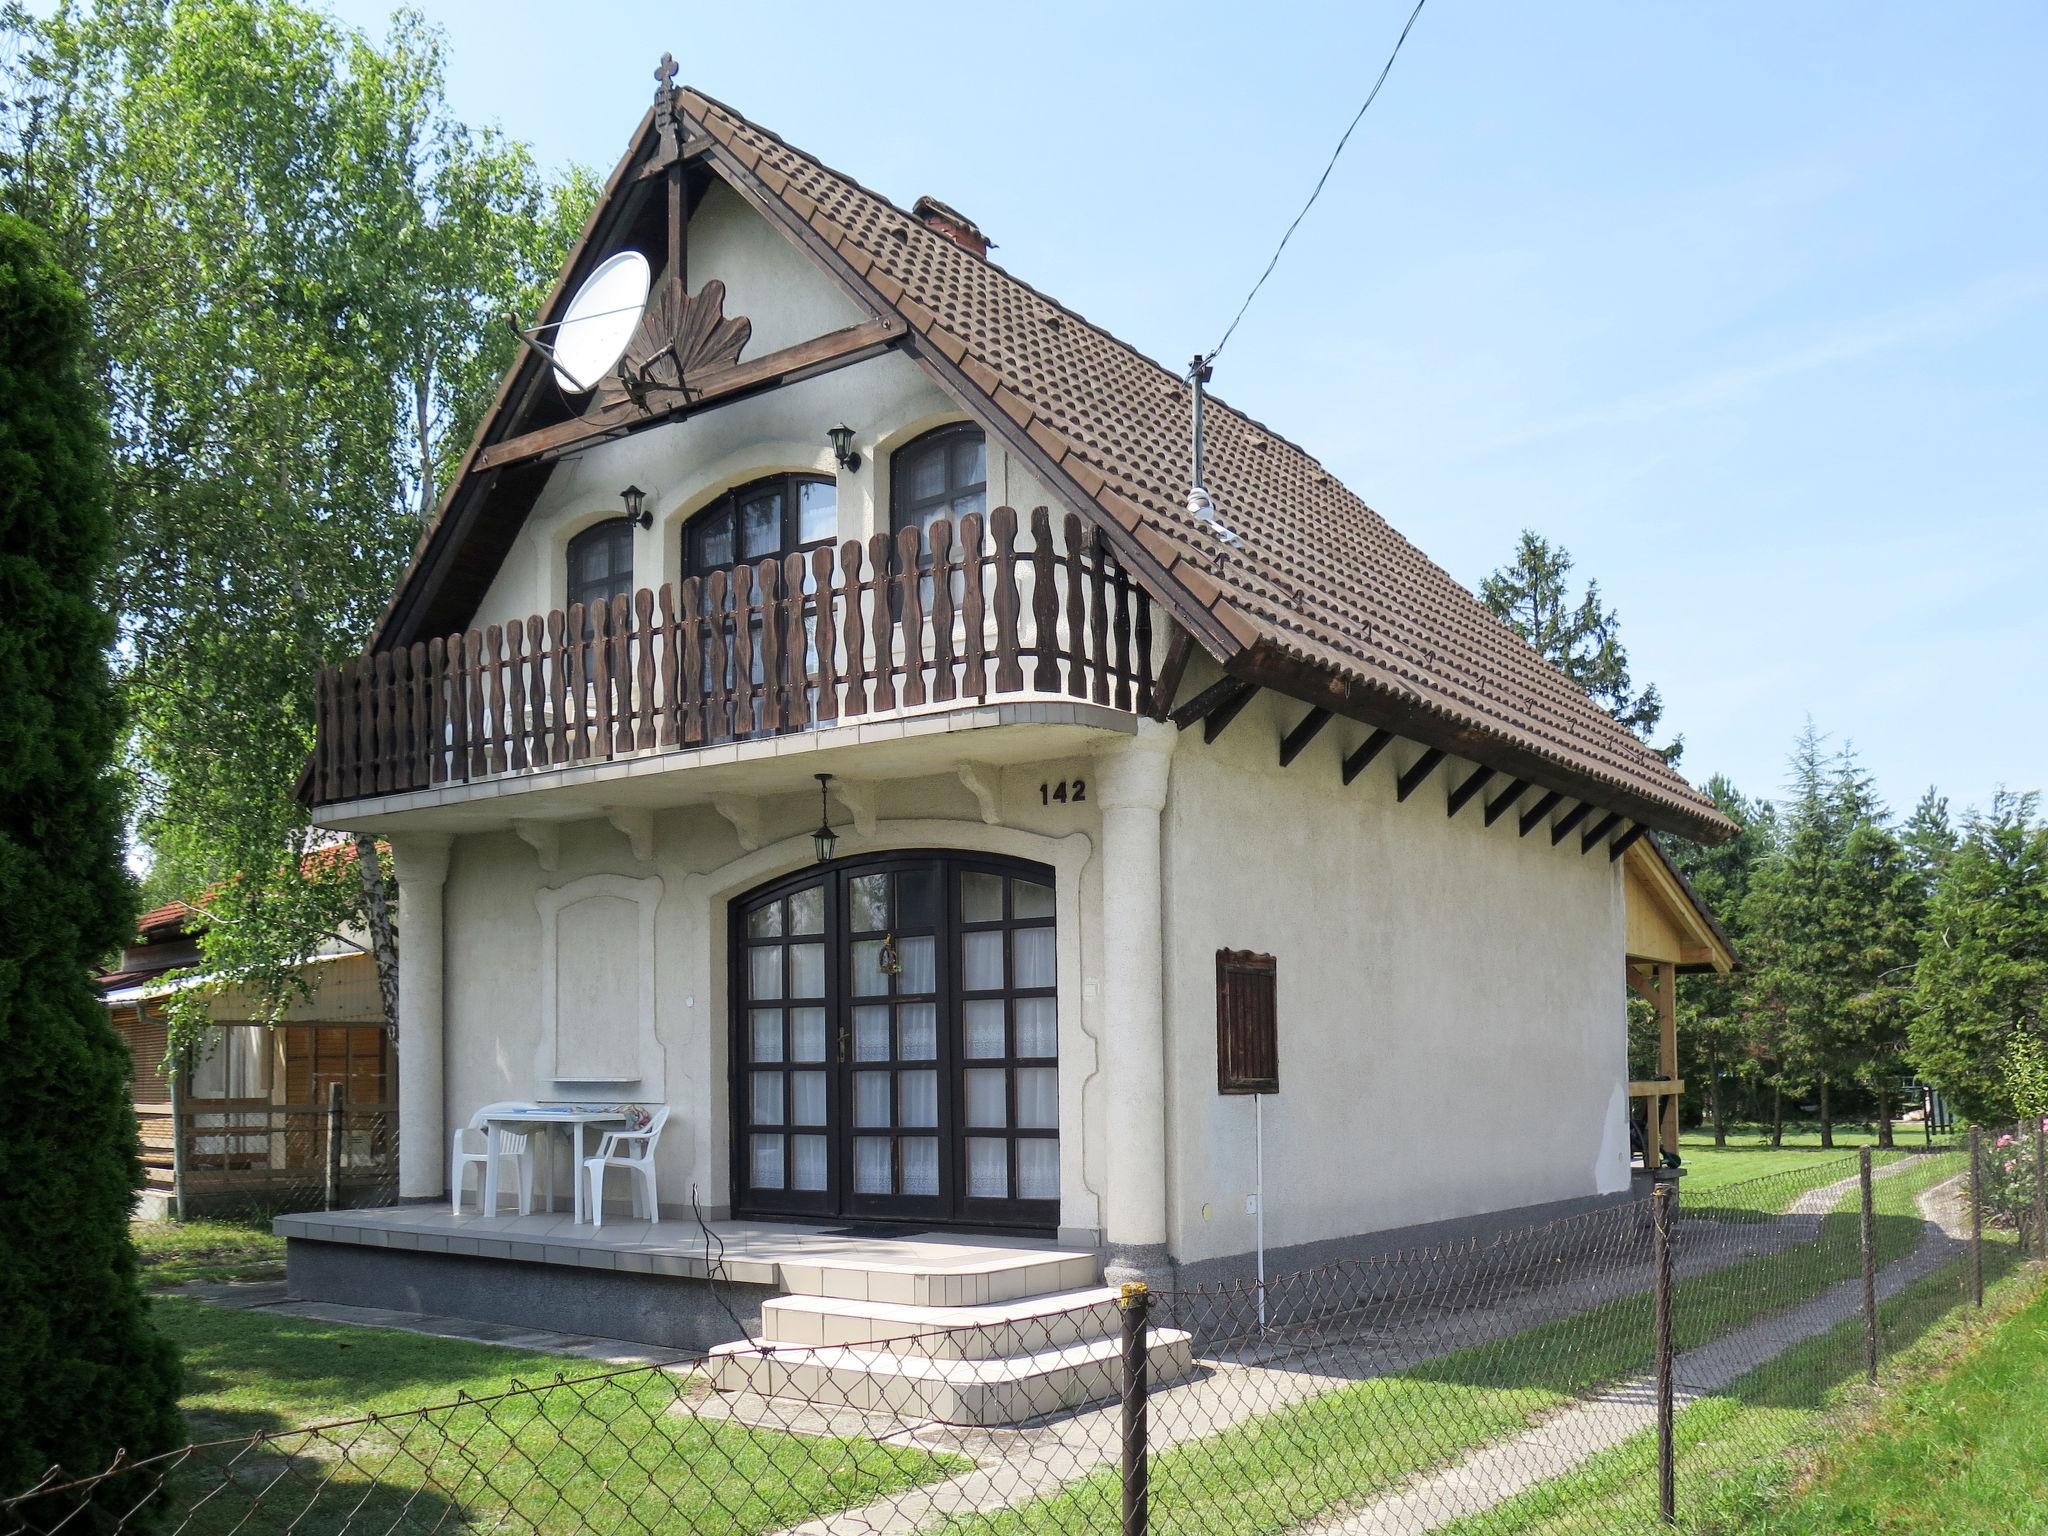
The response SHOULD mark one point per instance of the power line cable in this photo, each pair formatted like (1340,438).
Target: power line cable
(1386,69)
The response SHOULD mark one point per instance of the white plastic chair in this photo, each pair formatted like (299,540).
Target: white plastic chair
(632,1151)
(472,1149)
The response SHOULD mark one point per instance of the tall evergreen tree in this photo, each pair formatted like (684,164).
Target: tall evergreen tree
(1929,837)
(82,1374)
(1580,636)
(1981,987)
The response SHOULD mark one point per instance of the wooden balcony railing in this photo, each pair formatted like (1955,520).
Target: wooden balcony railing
(955,616)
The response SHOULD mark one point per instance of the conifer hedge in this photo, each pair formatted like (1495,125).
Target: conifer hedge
(82,1373)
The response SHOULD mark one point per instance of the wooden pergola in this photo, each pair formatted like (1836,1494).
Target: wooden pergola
(1670,933)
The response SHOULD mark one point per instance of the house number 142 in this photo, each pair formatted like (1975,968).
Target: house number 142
(1067,791)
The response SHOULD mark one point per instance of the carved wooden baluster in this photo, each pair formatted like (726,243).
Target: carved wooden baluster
(1045,606)
(622,675)
(1077,614)
(494,695)
(973,610)
(458,709)
(401,721)
(796,664)
(824,634)
(578,656)
(323,736)
(473,678)
(770,576)
(909,556)
(652,713)
(942,610)
(421,772)
(437,718)
(344,768)
(1123,630)
(1145,691)
(559,685)
(1098,618)
(856,628)
(693,663)
(717,718)
(599,617)
(669,706)
(377,732)
(515,696)
(537,691)
(743,613)
(884,609)
(1009,670)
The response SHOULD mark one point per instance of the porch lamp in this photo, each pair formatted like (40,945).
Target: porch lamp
(824,839)
(637,515)
(841,439)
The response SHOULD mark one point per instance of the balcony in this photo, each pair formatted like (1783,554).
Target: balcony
(950,618)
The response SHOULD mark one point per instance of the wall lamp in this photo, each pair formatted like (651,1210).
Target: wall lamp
(841,439)
(637,515)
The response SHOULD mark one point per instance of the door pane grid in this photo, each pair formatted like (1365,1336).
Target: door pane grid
(1010,1092)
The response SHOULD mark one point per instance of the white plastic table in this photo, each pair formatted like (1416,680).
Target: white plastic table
(570,1118)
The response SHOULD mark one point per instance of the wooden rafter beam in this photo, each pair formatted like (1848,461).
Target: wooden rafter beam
(1219,718)
(1172,668)
(1208,701)
(1533,817)
(1304,732)
(1368,749)
(1462,795)
(807,359)
(1623,843)
(1598,834)
(1562,827)
(1504,802)
(1419,770)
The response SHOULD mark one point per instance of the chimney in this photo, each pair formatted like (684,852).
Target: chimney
(953,224)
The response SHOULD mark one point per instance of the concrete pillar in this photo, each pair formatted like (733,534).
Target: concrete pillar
(421,861)
(1131,788)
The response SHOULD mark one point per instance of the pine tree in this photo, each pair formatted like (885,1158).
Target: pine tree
(1981,987)
(1581,638)
(1929,837)
(82,1373)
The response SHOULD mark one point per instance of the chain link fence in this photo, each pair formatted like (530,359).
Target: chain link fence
(1655,1361)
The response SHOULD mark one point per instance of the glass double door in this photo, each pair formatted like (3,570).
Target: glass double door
(896,1043)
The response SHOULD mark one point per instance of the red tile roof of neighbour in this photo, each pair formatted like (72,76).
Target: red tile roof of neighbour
(1320,579)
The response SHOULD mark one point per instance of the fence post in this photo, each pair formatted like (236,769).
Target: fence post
(334,1146)
(1977,1215)
(1667,1472)
(183,1061)
(1136,1303)
(1869,1248)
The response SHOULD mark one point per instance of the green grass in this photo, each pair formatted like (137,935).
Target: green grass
(438,1444)
(178,1252)
(1338,1449)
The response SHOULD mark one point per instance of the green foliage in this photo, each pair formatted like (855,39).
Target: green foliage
(297,263)
(82,1375)
(1982,981)
(1581,637)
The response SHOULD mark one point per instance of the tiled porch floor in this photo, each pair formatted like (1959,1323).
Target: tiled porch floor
(929,1268)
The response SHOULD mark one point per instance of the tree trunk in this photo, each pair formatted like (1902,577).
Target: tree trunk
(383,937)
(1827,1116)
(1884,1119)
(1777,1113)
(423,418)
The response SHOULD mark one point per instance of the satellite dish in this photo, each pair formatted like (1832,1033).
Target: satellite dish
(600,320)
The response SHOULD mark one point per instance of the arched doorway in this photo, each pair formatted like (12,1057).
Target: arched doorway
(895,1042)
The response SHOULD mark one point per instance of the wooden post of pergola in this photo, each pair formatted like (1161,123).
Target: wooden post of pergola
(1668,932)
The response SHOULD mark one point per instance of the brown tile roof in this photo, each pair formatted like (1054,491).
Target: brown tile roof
(1320,584)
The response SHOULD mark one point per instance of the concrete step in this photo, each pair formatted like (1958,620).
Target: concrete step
(953,1391)
(936,1278)
(991,1331)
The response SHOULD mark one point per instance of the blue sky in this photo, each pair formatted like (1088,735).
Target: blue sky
(1744,304)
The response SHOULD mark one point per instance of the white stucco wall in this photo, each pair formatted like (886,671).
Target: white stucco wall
(685,465)
(498,967)
(1450,997)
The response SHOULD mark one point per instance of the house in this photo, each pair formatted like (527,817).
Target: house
(247,1127)
(816,709)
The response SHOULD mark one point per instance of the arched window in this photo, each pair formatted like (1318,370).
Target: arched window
(941,474)
(761,519)
(601,563)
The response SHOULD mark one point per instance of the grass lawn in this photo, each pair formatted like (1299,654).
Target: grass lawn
(448,1449)
(175,1252)
(1337,1449)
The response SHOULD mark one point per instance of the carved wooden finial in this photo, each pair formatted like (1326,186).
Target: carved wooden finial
(665,74)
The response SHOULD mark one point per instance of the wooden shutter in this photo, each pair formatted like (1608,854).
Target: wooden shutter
(1247,1023)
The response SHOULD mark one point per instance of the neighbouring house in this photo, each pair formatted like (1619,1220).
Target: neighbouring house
(248,1124)
(816,710)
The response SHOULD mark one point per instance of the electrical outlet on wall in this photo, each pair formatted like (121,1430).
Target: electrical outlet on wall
(1251,1205)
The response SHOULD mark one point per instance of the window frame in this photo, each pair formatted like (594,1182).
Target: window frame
(901,503)
(1247,1022)
(727,502)
(609,527)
